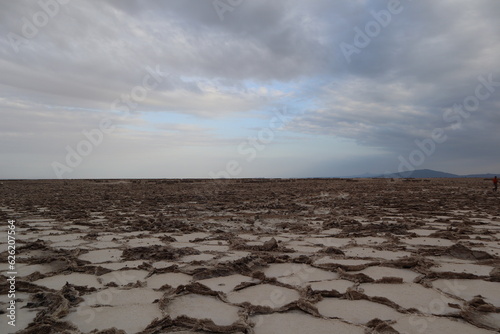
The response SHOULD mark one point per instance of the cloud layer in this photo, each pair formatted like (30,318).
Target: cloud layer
(185,82)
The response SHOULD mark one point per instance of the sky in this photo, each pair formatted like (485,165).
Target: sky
(248,88)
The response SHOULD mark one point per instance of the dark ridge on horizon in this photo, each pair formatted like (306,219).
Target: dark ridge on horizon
(416,174)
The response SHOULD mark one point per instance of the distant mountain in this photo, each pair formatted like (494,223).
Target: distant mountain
(422,174)
(429,173)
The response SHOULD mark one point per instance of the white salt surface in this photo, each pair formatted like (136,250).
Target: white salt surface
(264,295)
(117,297)
(356,311)
(475,269)
(410,295)
(143,242)
(191,236)
(63,237)
(300,323)
(428,242)
(25,270)
(366,252)
(130,318)
(369,240)
(121,265)
(203,307)
(415,324)
(329,242)
(469,288)
(345,262)
(163,264)
(102,255)
(200,257)
(422,232)
(379,272)
(172,279)
(58,281)
(24,316)
(233,256)
(340,285)
(226,284)
(124,277)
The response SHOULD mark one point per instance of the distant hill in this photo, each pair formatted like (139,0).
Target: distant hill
(423,174)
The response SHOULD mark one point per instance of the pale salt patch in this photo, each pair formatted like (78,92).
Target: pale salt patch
(248,236)
(332,231)
(329,242)
(340,285)
(233,256)
(191,236)
(379,272)
(356,311)
(124,277)
(226,284)
(25,270)
(215,242)
(143,242)
(369,240)
(117,297)
(104,244)
(58,281)
(469,288)
(415,324)
(200,257)
(24,316)
(475,269)
(491,320)
(365,252)
(345,262)
(176,244)
(130,318)
(410,295)
(304,249)
(422,232)
(428,241)
(71,244)
(163,264)
(102,255)
(286,269)
(121,265)
(296,322)
(298,274)
(78,227)
(277,238)
(211,248)
(172,279)
(110,237)
(203,307)
(63,237)
(264,295)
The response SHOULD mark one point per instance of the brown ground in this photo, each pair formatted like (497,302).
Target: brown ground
(245,227)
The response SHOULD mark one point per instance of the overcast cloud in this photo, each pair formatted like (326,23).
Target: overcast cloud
(186,88)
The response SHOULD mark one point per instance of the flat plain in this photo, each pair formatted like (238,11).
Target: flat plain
(256,256)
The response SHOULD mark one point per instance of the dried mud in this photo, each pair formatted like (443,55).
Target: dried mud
(246,256)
